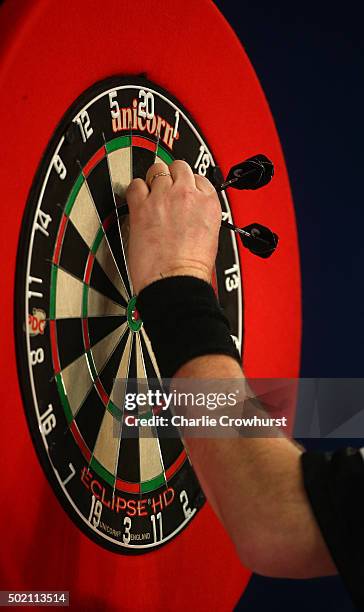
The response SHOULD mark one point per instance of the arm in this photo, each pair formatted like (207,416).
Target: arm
(174,229)
(261,501)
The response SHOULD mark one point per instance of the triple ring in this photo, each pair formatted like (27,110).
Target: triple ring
(158,174)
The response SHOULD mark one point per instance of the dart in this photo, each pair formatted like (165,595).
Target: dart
(253,173)
(258,239)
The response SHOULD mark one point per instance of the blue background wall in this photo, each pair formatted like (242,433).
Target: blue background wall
(310,62)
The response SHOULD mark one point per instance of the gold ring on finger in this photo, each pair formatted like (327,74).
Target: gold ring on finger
(158,174)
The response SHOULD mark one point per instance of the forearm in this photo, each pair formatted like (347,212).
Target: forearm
(255,486)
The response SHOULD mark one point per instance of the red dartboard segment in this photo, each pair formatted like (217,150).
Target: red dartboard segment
(176,465)
(101,391)
(94,161)
(55,357)
(57,250)
(138,141)
(130,487)
(51,52)
(86,337)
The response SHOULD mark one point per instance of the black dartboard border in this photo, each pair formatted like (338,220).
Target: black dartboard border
(95,89)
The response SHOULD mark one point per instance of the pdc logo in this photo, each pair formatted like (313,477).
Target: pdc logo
(36,322)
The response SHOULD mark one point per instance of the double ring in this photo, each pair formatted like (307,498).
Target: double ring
(158,174)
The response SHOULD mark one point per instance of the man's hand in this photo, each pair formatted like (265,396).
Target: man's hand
(174,225)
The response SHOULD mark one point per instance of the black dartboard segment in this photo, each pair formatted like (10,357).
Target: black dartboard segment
(130,494)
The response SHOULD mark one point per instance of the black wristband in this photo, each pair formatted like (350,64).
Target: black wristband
(183,320)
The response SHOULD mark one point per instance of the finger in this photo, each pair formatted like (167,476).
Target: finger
(182,173)
(157,182)
(203,184)
(136,193)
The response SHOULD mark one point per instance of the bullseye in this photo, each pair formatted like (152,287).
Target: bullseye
(134,321)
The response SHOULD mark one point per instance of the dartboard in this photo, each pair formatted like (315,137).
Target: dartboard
(81,344)
(92,93)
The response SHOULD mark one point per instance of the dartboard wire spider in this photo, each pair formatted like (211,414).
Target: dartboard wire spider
(116,212)
(104,232)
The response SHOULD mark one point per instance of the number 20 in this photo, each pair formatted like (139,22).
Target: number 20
(146,104)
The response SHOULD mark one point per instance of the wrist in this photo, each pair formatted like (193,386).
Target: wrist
(183,320)
(199,271)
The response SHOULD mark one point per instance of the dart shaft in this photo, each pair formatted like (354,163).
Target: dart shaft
(233,227)
(226,184)
(231,182)
(243,232)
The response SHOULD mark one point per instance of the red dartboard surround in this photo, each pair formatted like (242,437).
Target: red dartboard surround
(52,52)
